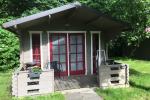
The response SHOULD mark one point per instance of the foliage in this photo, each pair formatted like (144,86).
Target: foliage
(36,69)
(136,13)
(9,48)
(139,82)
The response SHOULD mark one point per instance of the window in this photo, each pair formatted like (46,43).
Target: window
(36,53)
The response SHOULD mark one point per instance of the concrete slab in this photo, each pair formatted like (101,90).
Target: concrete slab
(81,94)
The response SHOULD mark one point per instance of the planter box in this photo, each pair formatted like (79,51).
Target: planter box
(33,75)
(113,75)
(23,85)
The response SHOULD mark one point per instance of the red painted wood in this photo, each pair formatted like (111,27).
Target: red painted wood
(36,53)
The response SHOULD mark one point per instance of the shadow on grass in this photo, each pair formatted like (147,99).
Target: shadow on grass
(134,72)
(137,73)
(133,84)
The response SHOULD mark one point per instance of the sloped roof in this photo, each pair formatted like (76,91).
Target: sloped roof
(87,15)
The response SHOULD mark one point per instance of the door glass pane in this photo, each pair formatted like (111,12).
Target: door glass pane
(36,50)
(80,66)
(72,39)
(79,47)
(61,40)
(64,66)
(54,40)
(79,57)
(79,39)
(63,58)
(62,49)
(36,58)
(73,66)
(73,57)
(55,49)
(73,49)
(55,58)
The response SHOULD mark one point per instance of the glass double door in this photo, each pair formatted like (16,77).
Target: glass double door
(68,52)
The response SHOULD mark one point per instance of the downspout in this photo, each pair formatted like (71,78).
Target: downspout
(126,74)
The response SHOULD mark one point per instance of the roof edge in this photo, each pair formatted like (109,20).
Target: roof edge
(40,14)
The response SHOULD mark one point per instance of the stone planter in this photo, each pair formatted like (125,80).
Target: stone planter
(26,84)
(113,75)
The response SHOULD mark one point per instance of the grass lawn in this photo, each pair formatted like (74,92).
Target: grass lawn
(5,93)
(139,83)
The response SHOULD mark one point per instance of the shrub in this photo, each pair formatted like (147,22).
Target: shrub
(9,50)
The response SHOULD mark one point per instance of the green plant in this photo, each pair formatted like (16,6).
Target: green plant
(36,69)
(9,50)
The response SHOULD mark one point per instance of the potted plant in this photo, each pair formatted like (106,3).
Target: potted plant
(35,72)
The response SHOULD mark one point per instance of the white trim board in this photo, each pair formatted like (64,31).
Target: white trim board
(86,69)
(94,32)
(66,32)
(41,46)
(48,47)
(68,54)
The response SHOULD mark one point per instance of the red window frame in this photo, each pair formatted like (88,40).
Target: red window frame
(77,72)
(36,51)
(64,73)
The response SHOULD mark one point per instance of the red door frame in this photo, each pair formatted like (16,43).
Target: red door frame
(78,72)
(65,73)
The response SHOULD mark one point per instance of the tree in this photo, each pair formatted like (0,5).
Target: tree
(9,50)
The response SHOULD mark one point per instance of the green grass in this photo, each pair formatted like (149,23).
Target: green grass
(139,83)
(5,90)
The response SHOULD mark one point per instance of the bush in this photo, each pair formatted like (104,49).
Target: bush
(9,50)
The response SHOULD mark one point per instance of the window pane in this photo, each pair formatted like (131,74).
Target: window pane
(55,49)
(72,39)
(54,40)
(61,39)
(79,39)
(36,50)
(80,66)
(62,49)
(73,57)
(73,49)
(73,66)
(64,66)
(62,58)
(80,48)
(79,57)
(55,58)
(36,58)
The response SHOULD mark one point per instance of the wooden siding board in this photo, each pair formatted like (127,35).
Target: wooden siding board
(76,82)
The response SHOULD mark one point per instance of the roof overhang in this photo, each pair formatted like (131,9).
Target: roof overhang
(73,11)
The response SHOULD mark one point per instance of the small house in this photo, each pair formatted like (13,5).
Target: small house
(73,35)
